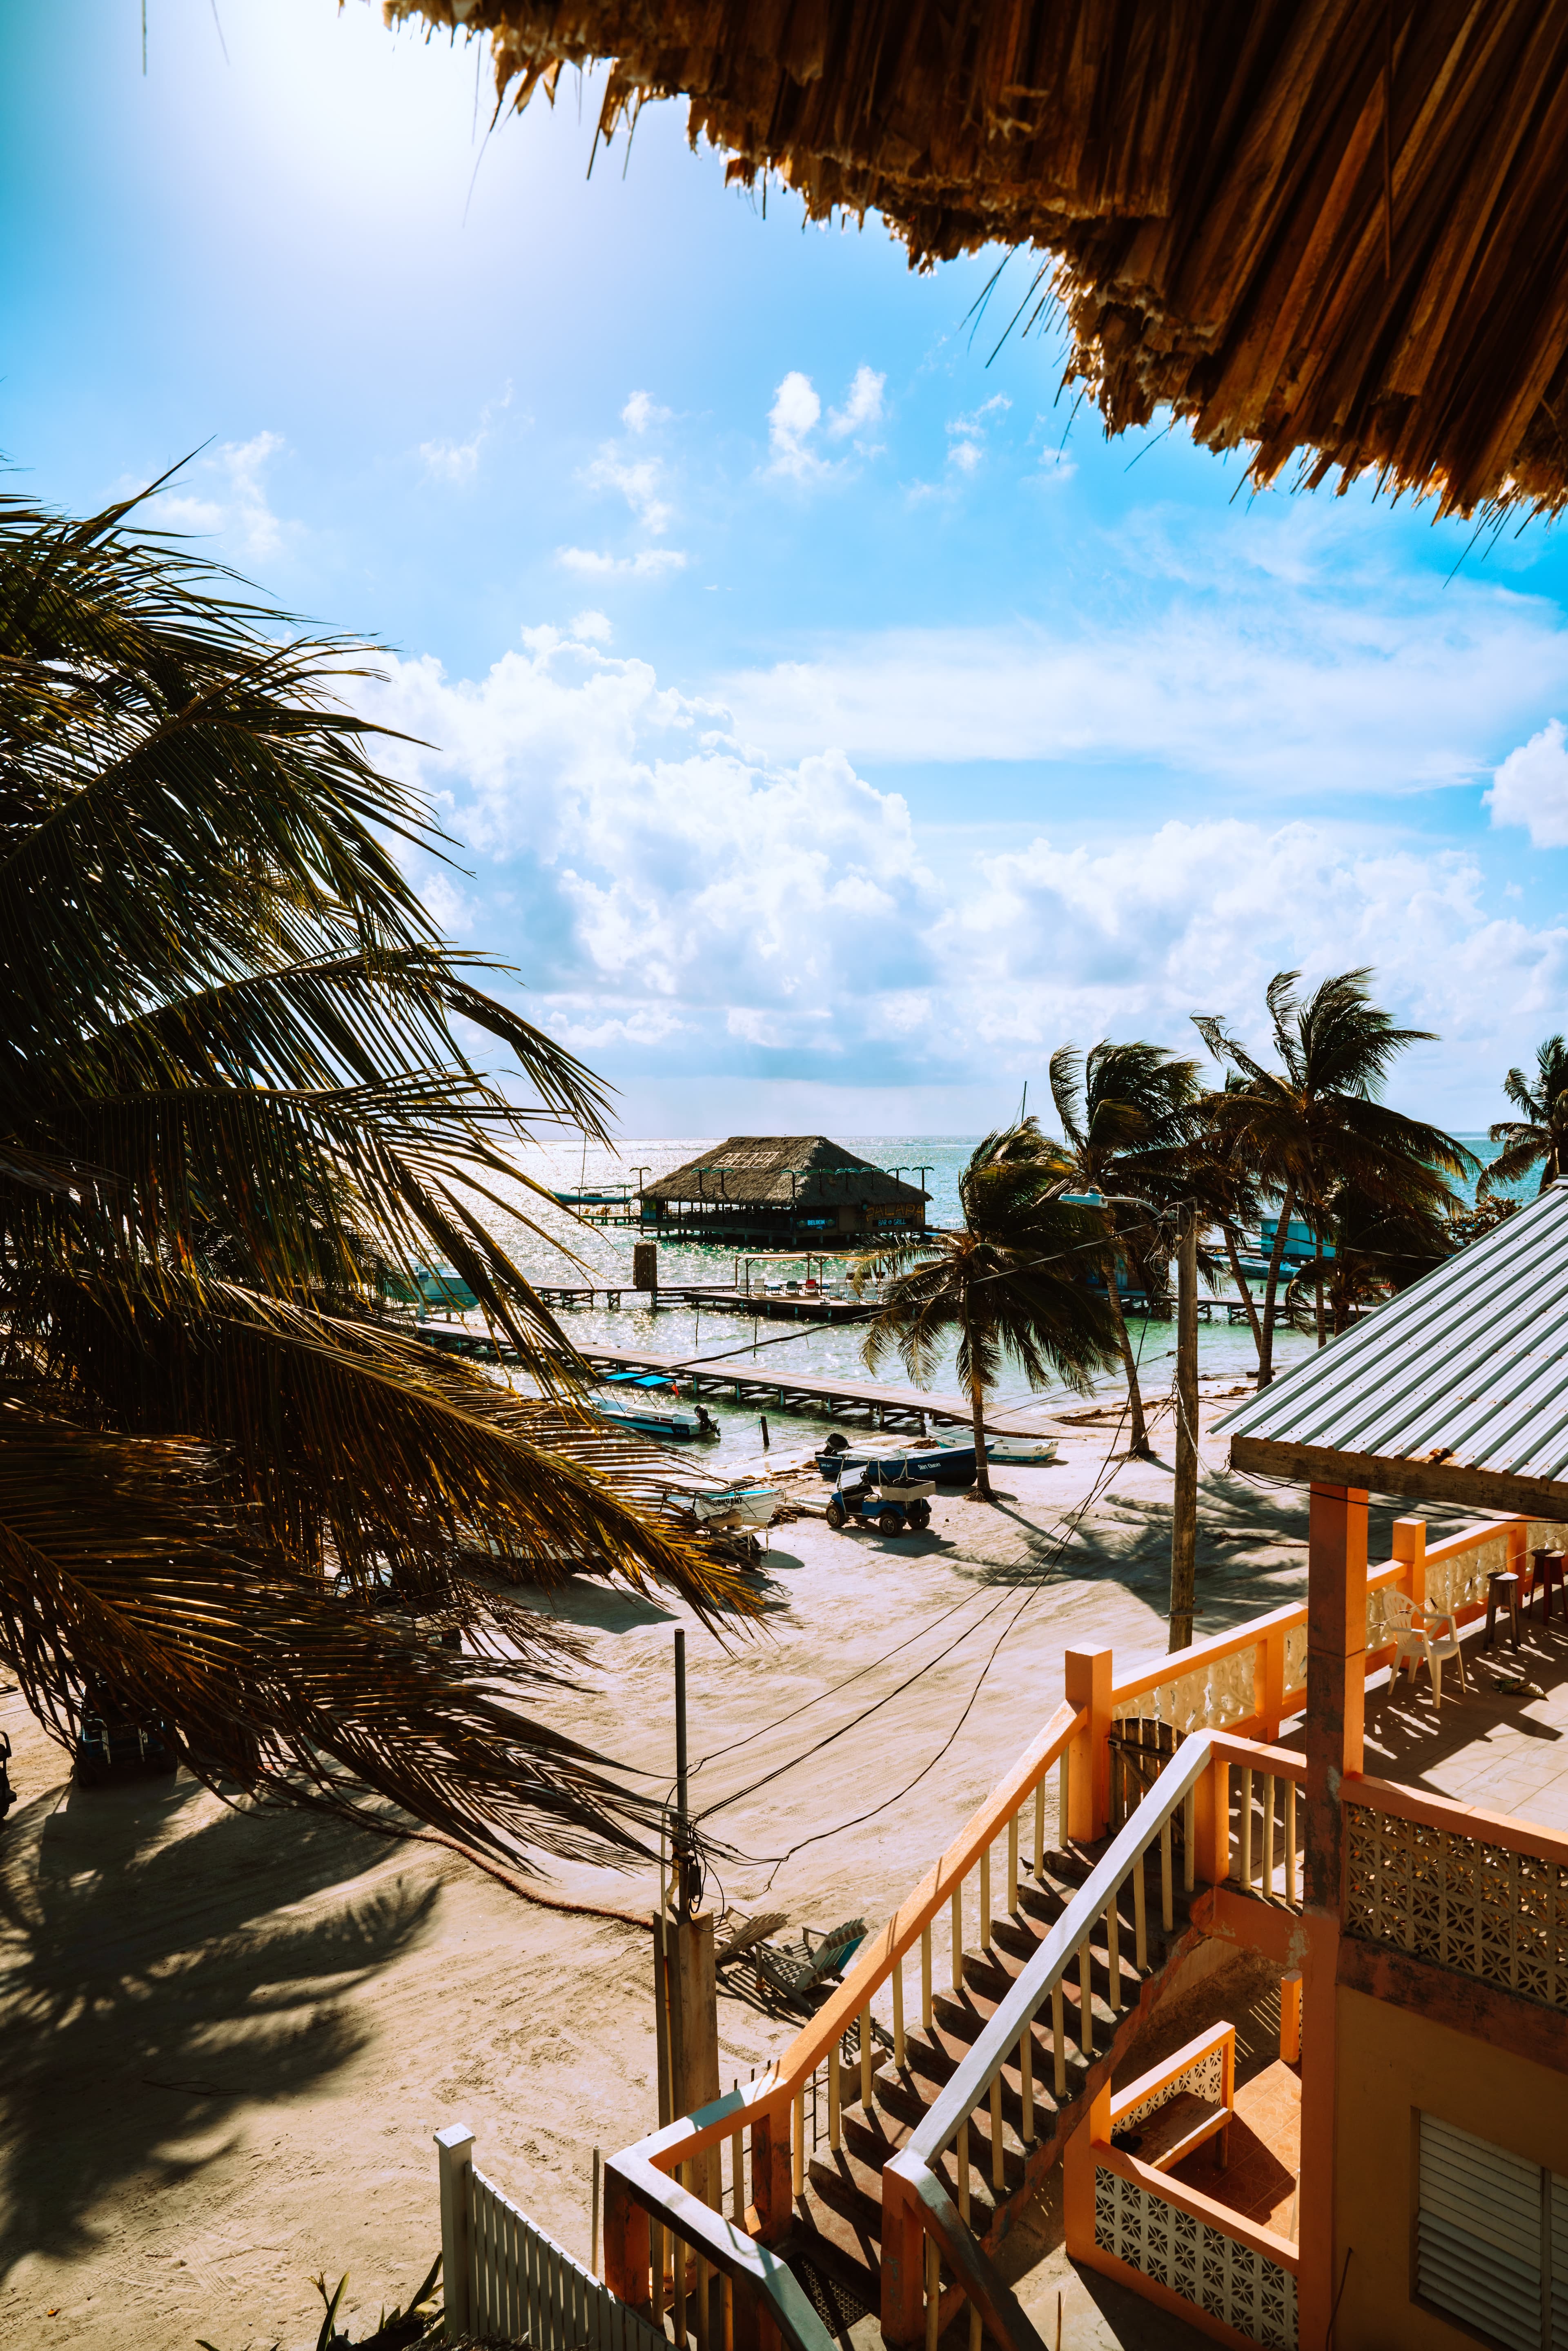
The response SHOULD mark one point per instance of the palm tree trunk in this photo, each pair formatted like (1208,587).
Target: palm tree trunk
(1272,1293)
(982,1467)
(1317,1278)
(1240,1278)
(1138,1440)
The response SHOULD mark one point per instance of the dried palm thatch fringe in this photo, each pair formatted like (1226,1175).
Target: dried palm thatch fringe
(1337,229)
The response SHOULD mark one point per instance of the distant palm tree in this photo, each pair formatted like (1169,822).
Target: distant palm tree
(1011,1282)
(1316,1123)
(1125,1114)
(1540,1137)
(238,1504)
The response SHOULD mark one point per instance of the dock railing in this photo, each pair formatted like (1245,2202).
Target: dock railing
(674,2183)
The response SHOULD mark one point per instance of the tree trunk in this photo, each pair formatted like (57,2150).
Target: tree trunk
(1138,1440)
(1240,1278)
(982,1467)
(1271,1294)
(1318,1279)
(1184,1500)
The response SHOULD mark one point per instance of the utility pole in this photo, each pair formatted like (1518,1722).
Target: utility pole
(1184,1515)
(682,1838)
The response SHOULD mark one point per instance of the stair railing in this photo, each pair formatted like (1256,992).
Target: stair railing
(925,2223)
(672,2181)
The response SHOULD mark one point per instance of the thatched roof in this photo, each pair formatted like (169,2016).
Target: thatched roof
(784,1171)
(1331,227)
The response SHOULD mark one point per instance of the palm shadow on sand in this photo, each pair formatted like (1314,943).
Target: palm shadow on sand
(149,1988)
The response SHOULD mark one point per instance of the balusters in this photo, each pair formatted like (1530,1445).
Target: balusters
(1062,1810)
(958,1938)
(1269,1785)
(1141,1913)
(865,2059)
(961,2154)
(1086,1998)
(1189,1841)
(898,2014)
(1026,2076)
(835,2093)
(702,2282)
(727,2292)
(925,1977)
(986,1899)
(1167,1890)
(1246,1872)
(974,2328)
(998,2153)
(1114,1949)
(797,2150)
(1058,2042)
(1039,1833)
(738,2177)
(1290,1840)
(1013,1866)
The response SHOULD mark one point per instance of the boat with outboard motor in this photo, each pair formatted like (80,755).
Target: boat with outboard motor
(625,1410)
(944,1465)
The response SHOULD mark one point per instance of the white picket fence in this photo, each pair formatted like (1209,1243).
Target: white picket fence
(503,2280)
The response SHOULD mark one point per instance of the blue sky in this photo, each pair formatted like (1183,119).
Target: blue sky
(833,721)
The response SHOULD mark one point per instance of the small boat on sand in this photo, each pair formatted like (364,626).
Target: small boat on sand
(1023,1452)
(737,1506)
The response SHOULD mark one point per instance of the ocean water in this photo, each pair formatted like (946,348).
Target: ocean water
(550,1247)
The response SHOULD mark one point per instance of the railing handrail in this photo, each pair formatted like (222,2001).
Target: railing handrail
(1172,1666)
(1045,1968)
(881,1953)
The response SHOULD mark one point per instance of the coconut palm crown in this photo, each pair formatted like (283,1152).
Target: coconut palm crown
(238,1504)
(1125,1114)
(1009,1282)
(1539,1137)
(1315,1123)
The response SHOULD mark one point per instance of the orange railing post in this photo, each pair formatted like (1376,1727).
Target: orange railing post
(902,2314)
(772,2180)
(1410,1549)
(1087,1688)
(628,2243)
(1268,1682)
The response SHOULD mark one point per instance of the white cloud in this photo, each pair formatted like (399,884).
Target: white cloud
(861,409)
(238,507)
(1283,691)
(593,628)
(640,411)
(794,414)
(966,434)
(1531,787)
(648,563)
(638,481)
(681,905)
(458,461)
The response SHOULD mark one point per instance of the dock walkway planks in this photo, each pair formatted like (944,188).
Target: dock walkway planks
(894,1408)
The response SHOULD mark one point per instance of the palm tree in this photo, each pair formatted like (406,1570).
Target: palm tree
(1125,1113)
(1009,1282)
(1316,1123)
(237,1502)
(1539,1138)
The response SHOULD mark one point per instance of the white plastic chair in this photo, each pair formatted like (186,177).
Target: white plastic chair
(1429,1632)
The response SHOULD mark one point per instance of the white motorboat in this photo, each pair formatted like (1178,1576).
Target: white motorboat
(622,1410)
(737,1506)
(1023,1452)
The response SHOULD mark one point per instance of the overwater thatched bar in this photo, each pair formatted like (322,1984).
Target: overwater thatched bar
(784,1189)
(1337,229)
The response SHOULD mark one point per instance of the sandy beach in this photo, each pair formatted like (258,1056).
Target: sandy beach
(227,2037)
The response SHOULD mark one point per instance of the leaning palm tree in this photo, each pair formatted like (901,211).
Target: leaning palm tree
(1315,1123)
(238,1502)
(1009,1283)
(1125,1113)
(1539,1138)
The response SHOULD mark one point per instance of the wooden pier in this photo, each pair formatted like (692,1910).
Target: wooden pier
(710,1297)
(735,1381)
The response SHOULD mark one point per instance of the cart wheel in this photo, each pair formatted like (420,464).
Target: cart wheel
(836,1512)
(919,1517)
(892,1521)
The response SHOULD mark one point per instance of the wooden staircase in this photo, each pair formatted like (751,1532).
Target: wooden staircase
(834,2246)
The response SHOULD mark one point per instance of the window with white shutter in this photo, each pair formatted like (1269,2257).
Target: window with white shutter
(1491,2240)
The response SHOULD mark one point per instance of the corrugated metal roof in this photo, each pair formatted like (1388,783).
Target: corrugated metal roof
(1465,1371)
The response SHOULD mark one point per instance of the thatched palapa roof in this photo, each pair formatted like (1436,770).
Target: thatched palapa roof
(784,1171)
(1331,228)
